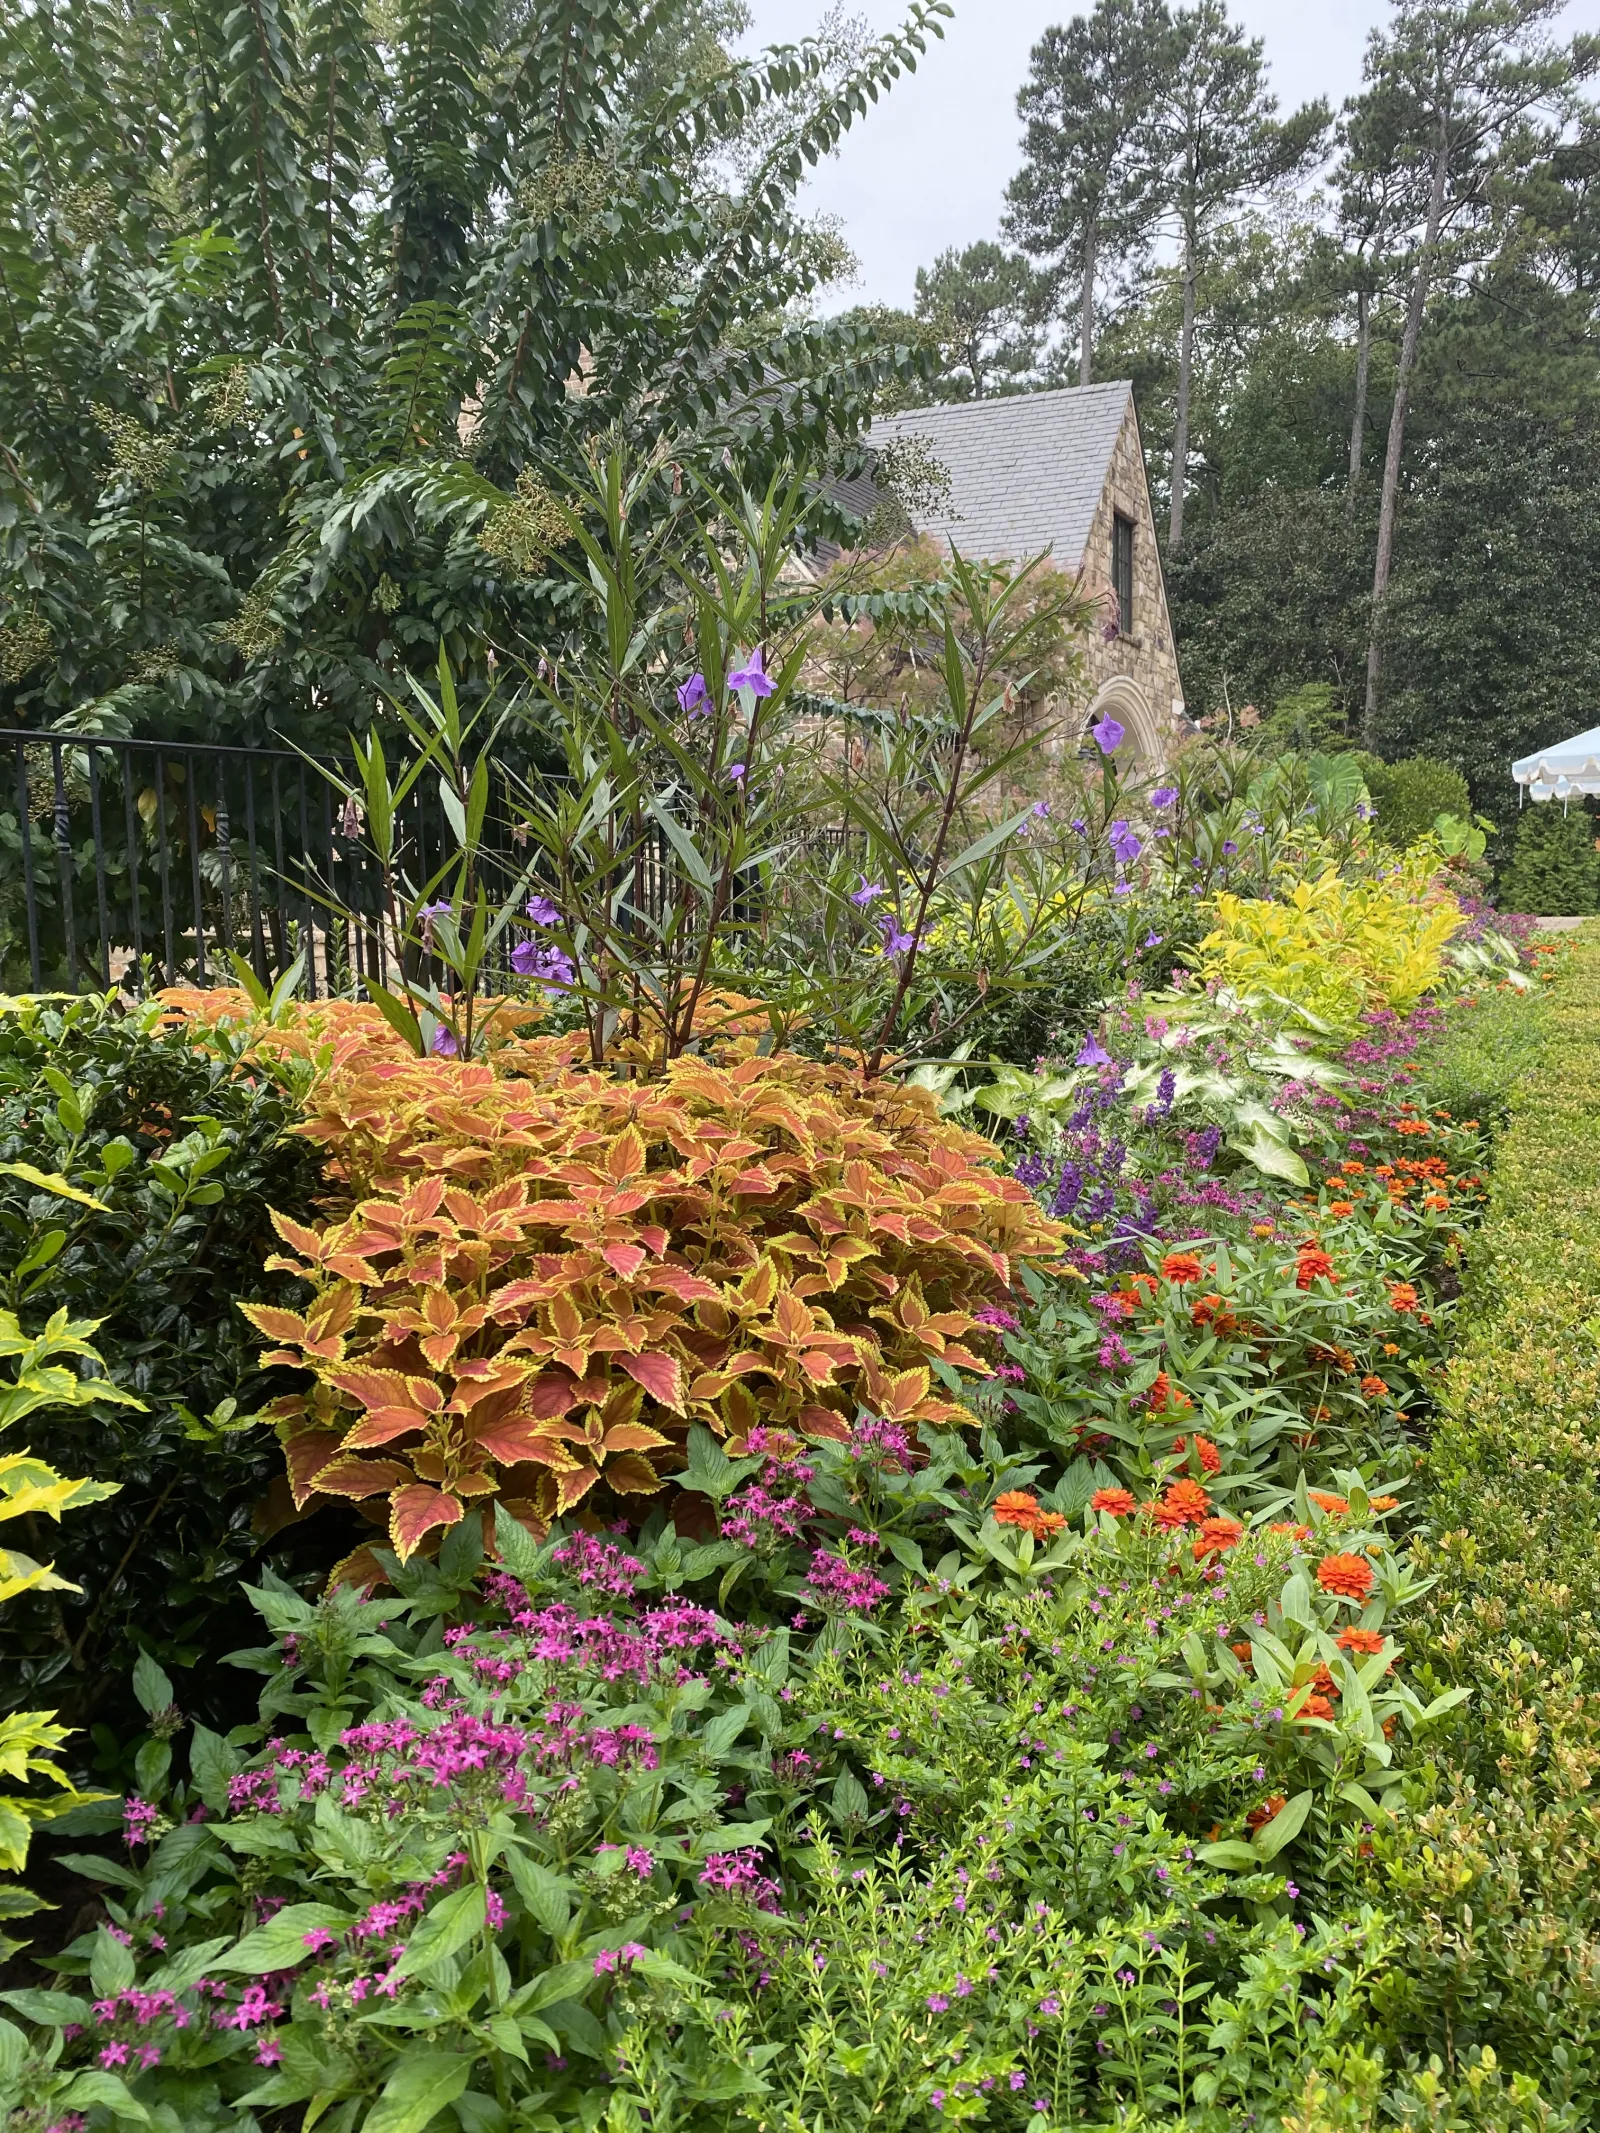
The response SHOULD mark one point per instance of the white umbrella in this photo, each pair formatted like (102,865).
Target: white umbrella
(1559,772)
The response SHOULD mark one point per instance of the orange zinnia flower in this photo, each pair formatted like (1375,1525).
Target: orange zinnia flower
(1259,1817)
(1165,1398)
(1353,1170)
(1323,1682)
(1436,1203)
(1262,1229)
(1282,1526)
(1383,1503)
(1315,1707)
(1184,1504)
(1118,1502)
(1244,1653)
(1017,1508)
(1402,1296)
(1374,1387)
(1180,1267)
(1210,1457)
(1213,1311)
(1311,1263)
(1217,1536)
(1349,1575)
(1364,1641)
(1325,1500)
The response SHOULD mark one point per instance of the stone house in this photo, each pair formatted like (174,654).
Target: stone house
(1064,471)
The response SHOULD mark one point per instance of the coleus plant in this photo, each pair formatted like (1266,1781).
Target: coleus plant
(543,1274)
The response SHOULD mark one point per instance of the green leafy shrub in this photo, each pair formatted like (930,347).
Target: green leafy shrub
(1495,1883)
(135,1174)
(1554,869)
(1410,794)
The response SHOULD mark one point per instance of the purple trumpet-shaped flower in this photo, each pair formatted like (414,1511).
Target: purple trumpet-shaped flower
(542,911)
(895,940)
(1092,1052)
(1125,845)
(1164,796)
(694,697)
(868,893)
(543,960)
(444,1043)
(1107,735)
(752,676)
(736,772)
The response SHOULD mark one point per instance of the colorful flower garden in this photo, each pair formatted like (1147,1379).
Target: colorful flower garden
(832,1543)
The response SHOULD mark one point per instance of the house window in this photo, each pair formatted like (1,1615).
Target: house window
(1122,571)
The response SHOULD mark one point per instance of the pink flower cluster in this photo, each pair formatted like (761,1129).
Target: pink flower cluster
(558,1635)
(836,1583)
(766,1509)
(595,1562)
(875,1440)
(610,1960)
(740,1874)
(138,1818)
(471,1758)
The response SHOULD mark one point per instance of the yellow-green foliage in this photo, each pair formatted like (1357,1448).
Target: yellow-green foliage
(1336,947)
(30,1740)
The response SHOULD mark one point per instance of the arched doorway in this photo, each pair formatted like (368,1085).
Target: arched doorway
(1126,702)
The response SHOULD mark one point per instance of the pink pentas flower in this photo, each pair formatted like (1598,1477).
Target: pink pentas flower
(837,1583)
(739,1873)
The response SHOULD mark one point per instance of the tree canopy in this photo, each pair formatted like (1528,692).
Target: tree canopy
(302,319)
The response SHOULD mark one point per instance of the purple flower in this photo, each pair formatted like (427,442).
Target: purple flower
(895,940)
(1041,810)
(1093,1053)
(542,911)
(1164,796)
(1228,846)
(444,1043)
(1108,735)
(736,772)
(694,697)
(752,676)
(543,960)
(937,2003)
(428,914)
(1124,844)
(1079,826)
(868,893)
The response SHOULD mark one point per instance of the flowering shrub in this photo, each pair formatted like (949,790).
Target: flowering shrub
(542,1280)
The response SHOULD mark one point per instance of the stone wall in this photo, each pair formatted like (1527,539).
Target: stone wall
(1147,657)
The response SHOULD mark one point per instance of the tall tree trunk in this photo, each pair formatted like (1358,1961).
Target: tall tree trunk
(1388,503)
(1180,436)
(1091,247)
(1358,423)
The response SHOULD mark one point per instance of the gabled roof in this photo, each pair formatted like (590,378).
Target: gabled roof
(1027,470)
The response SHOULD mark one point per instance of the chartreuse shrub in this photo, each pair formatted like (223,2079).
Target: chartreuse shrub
(1495,1880)
(1336,947)
(135,1175)
(539,1279)
(30,1490)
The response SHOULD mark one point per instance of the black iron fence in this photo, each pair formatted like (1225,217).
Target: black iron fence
(150,863)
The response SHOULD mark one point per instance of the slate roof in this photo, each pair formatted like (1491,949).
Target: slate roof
(1027,471)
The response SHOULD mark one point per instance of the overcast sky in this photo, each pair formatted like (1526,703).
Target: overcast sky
(928,167)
